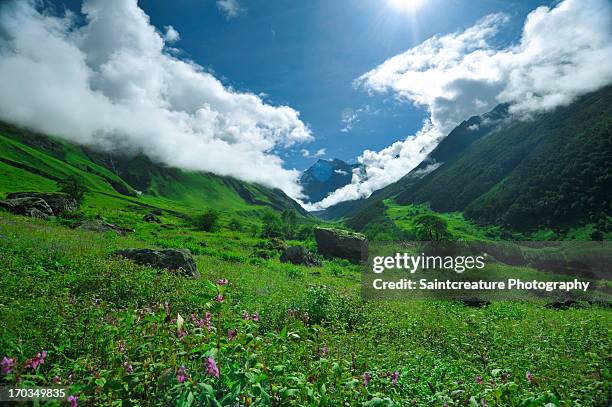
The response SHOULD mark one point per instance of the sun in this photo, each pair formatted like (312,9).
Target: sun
(406,5)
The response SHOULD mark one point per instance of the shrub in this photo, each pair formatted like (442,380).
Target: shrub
(235,225)
(209,221)
(74,187)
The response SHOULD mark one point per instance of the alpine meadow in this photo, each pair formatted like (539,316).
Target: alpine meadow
(348,203)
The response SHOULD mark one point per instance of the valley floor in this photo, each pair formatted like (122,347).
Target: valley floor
(280,335)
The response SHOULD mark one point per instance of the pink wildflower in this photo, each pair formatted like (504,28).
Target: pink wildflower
(7,365)
(255,316)
(39,359)
(479,379)
(212,368)
(218,298)
(73,401)
(325,351)
(394,377)
(181,374)
(245,315)
(529,377)
(231,334)
(128,368)
(222,281)
(366,378)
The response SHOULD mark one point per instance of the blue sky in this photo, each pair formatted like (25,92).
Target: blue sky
(306,54)
(246,96)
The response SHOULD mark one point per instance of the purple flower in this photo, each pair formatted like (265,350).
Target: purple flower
(366,378)
(479,379)
(181,374)
(394,377)
(483,403)
(306,317)
(245,315)
(128,367)
(73,401)
(121,346)
(222,281)
(255,316)
(211,366)
(181,333)
(39,359)
(7,365)
(529,377)
(218,298)
(56,379)
(325,351)
(231,334)
(208,320)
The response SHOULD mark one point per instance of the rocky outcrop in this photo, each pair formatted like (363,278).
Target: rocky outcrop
(28,206)
(101,226)
(151,218)
(59,203)
(299,255)
(178,260)
(341,243)
(39,204)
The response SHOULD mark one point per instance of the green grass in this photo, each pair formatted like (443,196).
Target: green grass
(64,292)
(102,319)
(462,229)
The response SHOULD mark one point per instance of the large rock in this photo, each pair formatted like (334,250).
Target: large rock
(340,243)
(28,206)
(100,225)
(59,203)
(179,260)
(299,255)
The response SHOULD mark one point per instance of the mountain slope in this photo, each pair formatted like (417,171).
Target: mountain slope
(30,161)
(324,177)
(552,170)
(449,148)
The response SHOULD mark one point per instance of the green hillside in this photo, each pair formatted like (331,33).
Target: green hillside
(549,172)
(33,162)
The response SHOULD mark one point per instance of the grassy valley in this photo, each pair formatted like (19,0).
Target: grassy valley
(254,330)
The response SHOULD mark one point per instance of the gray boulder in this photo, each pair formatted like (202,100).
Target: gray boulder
(341,243)
(299,255)
(101,226)
(28,206)
(179,260)
(59,203)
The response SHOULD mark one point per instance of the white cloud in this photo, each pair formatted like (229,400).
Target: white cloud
(171,36)
(350,117)
(563,52)
(319,153)
(341,172)
(109,83)
(231,8)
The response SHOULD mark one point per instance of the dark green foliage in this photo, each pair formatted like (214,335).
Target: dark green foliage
(549,171)
(271,225)
(289,219)
(235,225)
(431,228)
(74,187)
(208,221)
